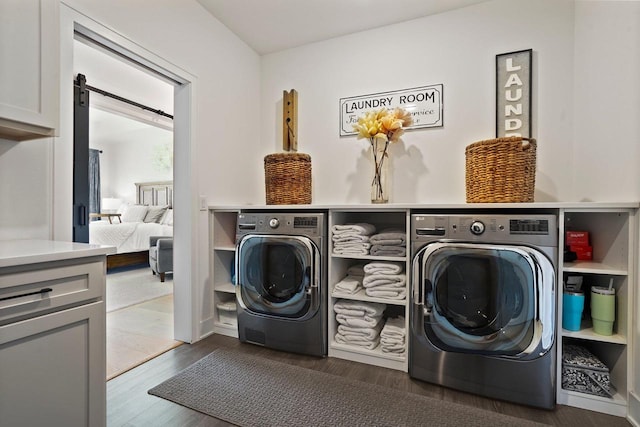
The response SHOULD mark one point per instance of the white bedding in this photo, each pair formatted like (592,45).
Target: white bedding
(126,236)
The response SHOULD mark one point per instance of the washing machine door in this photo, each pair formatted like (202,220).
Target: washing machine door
(278,275)
(484,299)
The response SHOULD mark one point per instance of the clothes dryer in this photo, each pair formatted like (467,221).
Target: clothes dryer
(482,315)
(281,280)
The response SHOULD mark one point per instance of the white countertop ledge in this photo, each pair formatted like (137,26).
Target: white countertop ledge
(435,206)
(22,252)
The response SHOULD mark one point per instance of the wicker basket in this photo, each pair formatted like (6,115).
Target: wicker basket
(501,170)
(287,177)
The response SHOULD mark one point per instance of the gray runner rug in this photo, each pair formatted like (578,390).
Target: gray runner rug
(251,391)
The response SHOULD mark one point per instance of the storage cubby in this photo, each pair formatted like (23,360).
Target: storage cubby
(222,224)
(612,236)
(383,219)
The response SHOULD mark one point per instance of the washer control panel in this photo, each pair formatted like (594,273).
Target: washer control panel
(477,227)
(308,224)
(535,229)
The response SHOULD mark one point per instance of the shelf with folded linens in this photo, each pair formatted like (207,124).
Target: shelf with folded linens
(358,276)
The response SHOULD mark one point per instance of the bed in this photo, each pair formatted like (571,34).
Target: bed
(151,215)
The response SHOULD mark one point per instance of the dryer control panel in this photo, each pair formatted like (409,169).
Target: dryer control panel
(307,224)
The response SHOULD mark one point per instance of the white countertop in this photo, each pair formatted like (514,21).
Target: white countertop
(429,206)
(21,252)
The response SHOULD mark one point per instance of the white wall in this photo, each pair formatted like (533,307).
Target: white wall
(224,103)
(458,49)
(131,156)
(606,152)
(25,189)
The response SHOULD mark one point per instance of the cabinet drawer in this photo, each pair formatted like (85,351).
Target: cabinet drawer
(46,287)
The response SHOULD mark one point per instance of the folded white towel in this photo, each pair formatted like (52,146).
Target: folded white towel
(387,280)
(359,308)
(394,327)
(390,237)
(396,349)
(358,322)
(365,333)
(351,250)
(389,342)
(350,237)
(370,345)
(358,313)
(387,250)
(349,285)
(382,268)
(360,228)
(394,295)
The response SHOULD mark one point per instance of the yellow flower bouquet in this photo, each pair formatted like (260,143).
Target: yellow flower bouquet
(381,127)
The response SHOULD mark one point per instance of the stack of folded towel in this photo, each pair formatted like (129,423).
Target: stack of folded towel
(385,280)
(393,336)
(352,282)
(359,323)
(352,239)
(390,242)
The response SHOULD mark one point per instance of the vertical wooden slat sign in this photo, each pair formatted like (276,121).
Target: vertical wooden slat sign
(288,175)
(290,120)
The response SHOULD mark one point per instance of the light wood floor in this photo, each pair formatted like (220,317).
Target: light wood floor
(128,403)
(139,333)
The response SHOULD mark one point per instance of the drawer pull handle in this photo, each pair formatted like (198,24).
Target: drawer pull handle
(41,291)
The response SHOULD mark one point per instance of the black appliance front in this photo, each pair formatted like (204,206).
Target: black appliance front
(482,320)
(282,303)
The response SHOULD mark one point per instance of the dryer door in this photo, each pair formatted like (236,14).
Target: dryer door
(278,275)
(485,299)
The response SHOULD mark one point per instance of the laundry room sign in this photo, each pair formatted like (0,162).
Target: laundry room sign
(513,94)
(423,103)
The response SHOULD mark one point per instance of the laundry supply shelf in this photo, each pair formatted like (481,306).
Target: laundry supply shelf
(594,267)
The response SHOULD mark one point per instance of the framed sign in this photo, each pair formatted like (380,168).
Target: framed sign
(424,103)
(513,94)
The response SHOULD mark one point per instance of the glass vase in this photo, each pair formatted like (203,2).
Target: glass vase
(380,181)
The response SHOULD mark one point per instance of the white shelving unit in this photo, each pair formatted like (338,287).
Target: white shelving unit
(222,224)
(613,230)
(613,237)
(382,219)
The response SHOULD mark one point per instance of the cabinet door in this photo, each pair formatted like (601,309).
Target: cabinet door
(29,76)
(53,369)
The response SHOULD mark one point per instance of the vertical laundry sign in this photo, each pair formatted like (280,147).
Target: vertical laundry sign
(513,94)
(423,103)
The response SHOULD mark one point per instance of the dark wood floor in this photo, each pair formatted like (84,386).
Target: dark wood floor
(128,403)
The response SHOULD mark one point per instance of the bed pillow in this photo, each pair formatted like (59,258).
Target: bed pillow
(155,213)
(134,213)
(167,219)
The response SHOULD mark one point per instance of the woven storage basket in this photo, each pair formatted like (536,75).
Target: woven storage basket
(501,170)
(287,177)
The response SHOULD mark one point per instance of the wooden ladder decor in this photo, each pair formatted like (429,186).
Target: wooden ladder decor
(290,120)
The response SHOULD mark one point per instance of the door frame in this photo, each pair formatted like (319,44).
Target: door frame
(186,312)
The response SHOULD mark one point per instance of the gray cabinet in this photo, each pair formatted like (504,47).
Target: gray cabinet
(52,343)
(29,54)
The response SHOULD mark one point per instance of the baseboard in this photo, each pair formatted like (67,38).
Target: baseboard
(633,414)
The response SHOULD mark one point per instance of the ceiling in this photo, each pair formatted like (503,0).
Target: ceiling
(269,26)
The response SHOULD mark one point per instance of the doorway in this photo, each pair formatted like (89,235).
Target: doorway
(186,311)
(122,146)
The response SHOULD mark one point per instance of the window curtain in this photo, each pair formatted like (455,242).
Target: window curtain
(94,181)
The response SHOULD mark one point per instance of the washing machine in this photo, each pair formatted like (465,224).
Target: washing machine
(483,295)
(281,280)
